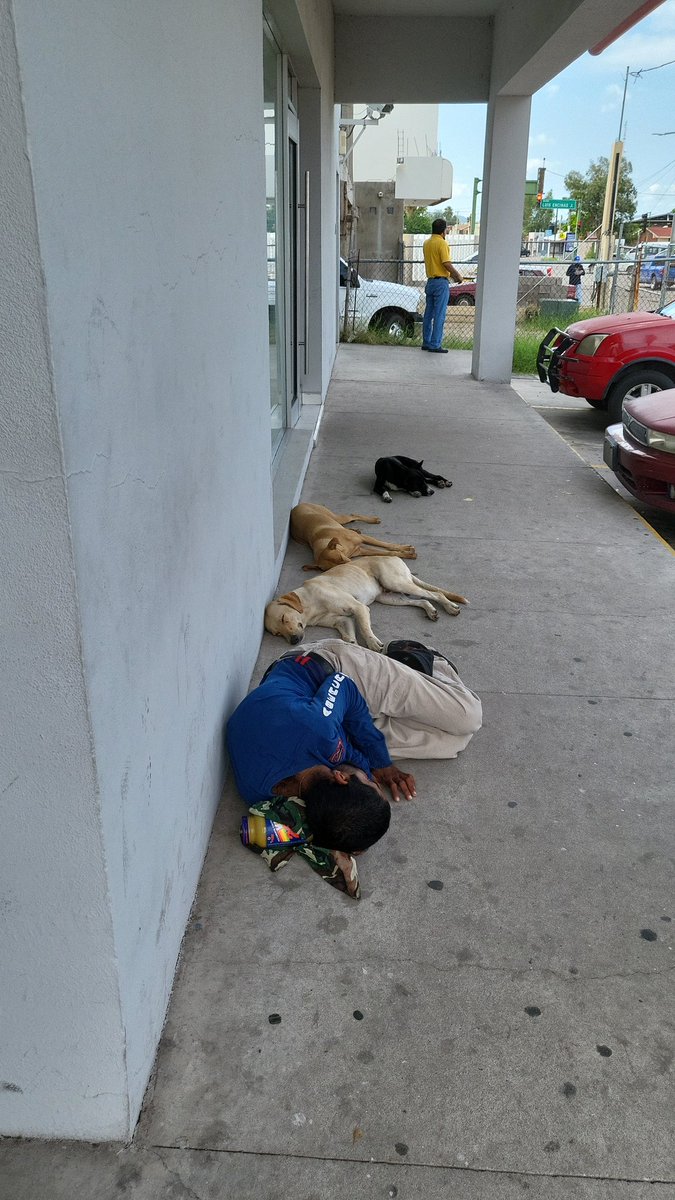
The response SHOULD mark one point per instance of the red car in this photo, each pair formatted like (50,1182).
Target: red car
(465,293)
(641,451)
(608,360)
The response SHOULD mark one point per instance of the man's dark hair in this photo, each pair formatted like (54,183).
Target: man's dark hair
(439,225)
(346,816)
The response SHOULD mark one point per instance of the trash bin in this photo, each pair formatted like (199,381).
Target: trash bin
(559,310)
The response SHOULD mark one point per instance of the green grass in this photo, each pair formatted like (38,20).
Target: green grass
(529,333)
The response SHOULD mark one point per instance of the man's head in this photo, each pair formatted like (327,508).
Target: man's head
(345,809)
(439,225)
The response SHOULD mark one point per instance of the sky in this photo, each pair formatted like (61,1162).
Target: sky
(575,119)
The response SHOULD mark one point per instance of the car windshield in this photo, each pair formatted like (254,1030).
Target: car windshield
(668,310)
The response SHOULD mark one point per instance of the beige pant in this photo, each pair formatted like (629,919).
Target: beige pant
(420,716)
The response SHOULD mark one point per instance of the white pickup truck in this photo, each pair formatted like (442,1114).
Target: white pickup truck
(376,304)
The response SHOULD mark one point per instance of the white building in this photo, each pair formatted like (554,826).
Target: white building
(156,422)
(410,131)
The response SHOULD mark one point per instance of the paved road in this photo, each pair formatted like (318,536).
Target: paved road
(583,428)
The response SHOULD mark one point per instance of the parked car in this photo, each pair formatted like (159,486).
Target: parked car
(390,307)
(609,360)
(374,303)
(641,450)
(465,293)
(653,270)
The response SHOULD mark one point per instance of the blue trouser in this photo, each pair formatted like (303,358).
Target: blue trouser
(437,292)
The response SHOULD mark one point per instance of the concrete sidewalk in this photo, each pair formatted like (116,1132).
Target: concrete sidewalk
(496,1015)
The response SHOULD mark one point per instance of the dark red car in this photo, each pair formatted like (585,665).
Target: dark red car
(608,360)
(465,293)
(641,451)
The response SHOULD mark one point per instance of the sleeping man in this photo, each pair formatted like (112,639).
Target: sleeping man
(325,723)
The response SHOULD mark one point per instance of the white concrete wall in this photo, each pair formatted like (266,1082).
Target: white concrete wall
(144,131)
(61,1036)
(412,60)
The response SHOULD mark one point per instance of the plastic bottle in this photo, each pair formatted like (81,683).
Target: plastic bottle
(260,831)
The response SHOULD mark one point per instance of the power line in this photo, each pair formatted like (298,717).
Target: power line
(645,70)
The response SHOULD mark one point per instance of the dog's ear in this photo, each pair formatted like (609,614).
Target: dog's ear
(420,463)
(331,544)
(292,599)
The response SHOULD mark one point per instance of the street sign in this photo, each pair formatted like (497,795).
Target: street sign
(566,203)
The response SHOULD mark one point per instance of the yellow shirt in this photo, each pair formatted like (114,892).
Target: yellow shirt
(436,252)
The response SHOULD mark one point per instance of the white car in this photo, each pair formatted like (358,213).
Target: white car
(376,304)
(392,308)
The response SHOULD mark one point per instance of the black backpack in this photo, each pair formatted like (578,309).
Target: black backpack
(413,654)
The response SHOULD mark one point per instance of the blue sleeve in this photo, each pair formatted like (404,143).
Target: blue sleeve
(340,697)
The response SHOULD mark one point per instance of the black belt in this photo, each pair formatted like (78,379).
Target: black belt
(317,667)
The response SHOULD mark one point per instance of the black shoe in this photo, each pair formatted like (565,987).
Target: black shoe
(426,347)
(437,350)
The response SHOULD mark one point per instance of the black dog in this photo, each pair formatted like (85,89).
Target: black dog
(407,475)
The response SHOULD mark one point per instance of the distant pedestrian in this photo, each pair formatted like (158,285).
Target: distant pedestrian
(574,273)
(439,270)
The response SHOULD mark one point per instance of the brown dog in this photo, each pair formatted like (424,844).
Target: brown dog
(331,543)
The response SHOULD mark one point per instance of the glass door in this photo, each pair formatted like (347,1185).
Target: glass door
(281,179)
(275,225)
(292,295)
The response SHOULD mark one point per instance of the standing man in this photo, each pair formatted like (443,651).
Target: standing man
(439,270)
(574,273)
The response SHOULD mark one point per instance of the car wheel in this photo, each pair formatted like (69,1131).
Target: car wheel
(393,322)
(465,301)
(595,403)
(656,283)
(641,381)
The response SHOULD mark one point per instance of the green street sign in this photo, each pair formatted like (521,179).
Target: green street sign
(566,203)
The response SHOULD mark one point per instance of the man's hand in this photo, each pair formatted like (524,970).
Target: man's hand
(396,780)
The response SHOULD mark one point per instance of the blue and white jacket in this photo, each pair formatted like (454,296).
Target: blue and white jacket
(291,722)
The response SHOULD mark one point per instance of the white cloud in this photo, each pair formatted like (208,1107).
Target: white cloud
(541,139)
(661,189)
(650,42)
(551,90)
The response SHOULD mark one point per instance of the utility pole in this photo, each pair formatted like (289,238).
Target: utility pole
(476,191)
(609,207)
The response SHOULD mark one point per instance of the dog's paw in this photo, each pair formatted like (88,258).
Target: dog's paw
(415,494)
(409,552)
(433,615)
(429,492)
(386,497)
(375,644)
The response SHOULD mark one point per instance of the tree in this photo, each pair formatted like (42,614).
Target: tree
(536,219)
(449,215)
(417,220)
(589,192)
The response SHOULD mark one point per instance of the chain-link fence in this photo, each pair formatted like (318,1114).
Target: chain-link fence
(383,299)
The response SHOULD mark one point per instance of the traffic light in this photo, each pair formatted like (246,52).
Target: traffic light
(540,185)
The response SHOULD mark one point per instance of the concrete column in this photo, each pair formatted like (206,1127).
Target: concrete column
(504,168)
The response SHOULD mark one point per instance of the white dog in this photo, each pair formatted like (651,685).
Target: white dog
(340,597)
